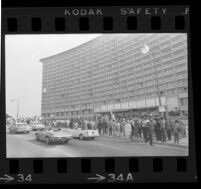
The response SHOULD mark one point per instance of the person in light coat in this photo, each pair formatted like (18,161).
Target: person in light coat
(128,131)
(118,128)
(123,124)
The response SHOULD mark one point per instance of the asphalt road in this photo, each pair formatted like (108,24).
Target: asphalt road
(25,145)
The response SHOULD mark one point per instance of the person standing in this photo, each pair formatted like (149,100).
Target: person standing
(68,122)
(89,127)
(139,125)
(128,131)
(163,134)
(150,129)
(71,124)
(92,124)
(110,125)
(158,130)
(83,126)
(168,128)
(144,129)
(183,128)
(135,131)
(104,126)
(86,122)
(99,127)
(75,125)
(154,126)
(176,130)
(118,128)
(123,124)
(114,128)
(132,128)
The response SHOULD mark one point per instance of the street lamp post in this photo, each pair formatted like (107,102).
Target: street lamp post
(16,100)
(146,49)
(52,102)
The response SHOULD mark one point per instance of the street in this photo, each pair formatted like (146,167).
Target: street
(25,145)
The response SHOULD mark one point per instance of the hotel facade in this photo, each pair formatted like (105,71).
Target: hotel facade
(111,73)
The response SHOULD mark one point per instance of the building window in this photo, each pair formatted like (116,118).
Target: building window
(184,90)
(184,101)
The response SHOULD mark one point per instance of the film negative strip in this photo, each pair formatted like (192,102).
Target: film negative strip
(96,95)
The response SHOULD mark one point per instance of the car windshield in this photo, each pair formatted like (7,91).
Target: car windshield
(21,125)
(87,129)
(53,129)
(38,124)
(56,129)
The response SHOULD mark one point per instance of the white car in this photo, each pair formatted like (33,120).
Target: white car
(20,128)
(83,134)
(37,126)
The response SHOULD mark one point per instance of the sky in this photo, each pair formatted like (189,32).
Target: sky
(24,69)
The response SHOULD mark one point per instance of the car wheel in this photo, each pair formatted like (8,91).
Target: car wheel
(92,138)
(47,140)
(66,142)
(81,137)
(37,137)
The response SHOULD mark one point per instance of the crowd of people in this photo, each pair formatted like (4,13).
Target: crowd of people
(146,128)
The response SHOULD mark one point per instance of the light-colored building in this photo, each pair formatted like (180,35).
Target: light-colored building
(110,73)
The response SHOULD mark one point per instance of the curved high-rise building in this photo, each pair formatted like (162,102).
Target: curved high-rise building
(112,73)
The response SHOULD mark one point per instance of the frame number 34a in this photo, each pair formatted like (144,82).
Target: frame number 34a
(120,178)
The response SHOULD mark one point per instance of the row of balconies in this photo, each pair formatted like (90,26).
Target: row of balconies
(175,39)
(81,109)
(145,64)
(78,62)
(111,95)
(141,76)
(103,71)
(128,81)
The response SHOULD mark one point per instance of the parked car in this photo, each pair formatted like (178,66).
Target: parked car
(84,133)
(37,126)
(20,128)
(50,134)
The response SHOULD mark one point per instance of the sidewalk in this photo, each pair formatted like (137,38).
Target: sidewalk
(183,143)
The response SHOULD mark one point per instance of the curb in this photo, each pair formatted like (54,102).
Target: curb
(156,142)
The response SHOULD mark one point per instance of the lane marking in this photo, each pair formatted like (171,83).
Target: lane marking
(65,153)
(105,145)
